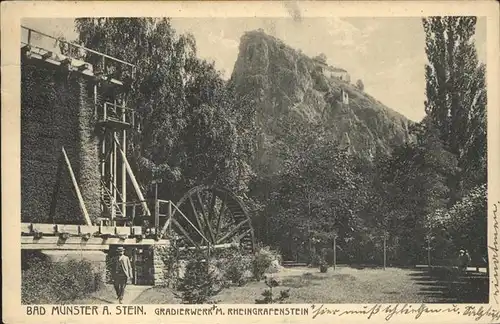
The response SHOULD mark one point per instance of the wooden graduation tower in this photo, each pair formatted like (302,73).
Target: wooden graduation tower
(75,121)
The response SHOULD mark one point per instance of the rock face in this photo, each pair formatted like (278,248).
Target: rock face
(285,82)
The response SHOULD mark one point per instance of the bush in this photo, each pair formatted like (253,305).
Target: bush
(46,282)
(262,260)
(360,85)
(268,294)
(171,266)
(200,283)
(232,266)
(236,268)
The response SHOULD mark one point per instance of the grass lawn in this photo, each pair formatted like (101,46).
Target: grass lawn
(343,285)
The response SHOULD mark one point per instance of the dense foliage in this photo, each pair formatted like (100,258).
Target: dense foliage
(360,85)
(456,96)
(46,282)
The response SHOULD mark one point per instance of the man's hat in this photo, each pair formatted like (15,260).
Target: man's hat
(120,248)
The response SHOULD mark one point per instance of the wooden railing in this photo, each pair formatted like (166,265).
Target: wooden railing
(105,62)
(160,209)
(117,113)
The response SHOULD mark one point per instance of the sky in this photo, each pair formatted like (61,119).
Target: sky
(387,54)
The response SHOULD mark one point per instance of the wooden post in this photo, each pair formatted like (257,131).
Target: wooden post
(113,206)
(309,243)
(334,252)
(157,210)
(385,250)
(135,183)
(77,190)
(95,100)
(29,36)
(124,170)
(103,170)
(429,252)
(169,217)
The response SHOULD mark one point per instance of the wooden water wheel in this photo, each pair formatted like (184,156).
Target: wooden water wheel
(211,216)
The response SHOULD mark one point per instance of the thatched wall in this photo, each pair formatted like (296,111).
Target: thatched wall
(57,110)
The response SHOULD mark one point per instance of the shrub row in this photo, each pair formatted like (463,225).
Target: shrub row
(203,280)
(46,282)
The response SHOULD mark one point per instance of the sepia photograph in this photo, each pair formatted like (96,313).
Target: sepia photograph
(336,160)
(263,161)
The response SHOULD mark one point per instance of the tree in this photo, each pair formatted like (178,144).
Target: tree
(413,183)
(360,85)
(321,58)
(456,95)
(317,194)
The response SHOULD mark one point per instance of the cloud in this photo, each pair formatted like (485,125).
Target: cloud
(345,34)
(218,39)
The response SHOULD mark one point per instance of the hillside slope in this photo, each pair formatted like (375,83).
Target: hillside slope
(284,82)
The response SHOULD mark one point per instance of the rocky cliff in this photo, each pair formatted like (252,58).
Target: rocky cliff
(284,82)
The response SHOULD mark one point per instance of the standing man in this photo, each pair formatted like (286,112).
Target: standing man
(122,272)
(463,260)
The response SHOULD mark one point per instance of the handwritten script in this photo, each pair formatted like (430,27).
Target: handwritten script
(390,311)
(495,257)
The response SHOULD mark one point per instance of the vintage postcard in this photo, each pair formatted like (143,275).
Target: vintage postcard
(286,162)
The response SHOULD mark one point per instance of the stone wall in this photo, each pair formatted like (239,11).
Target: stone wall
(163,273)
(57,110)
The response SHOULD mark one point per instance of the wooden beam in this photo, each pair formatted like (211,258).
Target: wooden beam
(44,228)
(206,217)
(185,233)
(107,230)
(85,229)
(46,55)
(169,219)
(70,229)
(83,67)
(219,223)
(133,180)
(113,183)
(77,243)
(233,231)
(26,228)
(196,216)
(242,235)
(54,229)
(204,247)
(124,172)
(91,241)
(77,189)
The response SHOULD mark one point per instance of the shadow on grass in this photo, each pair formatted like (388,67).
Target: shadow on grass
(446,285)
(309,279)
